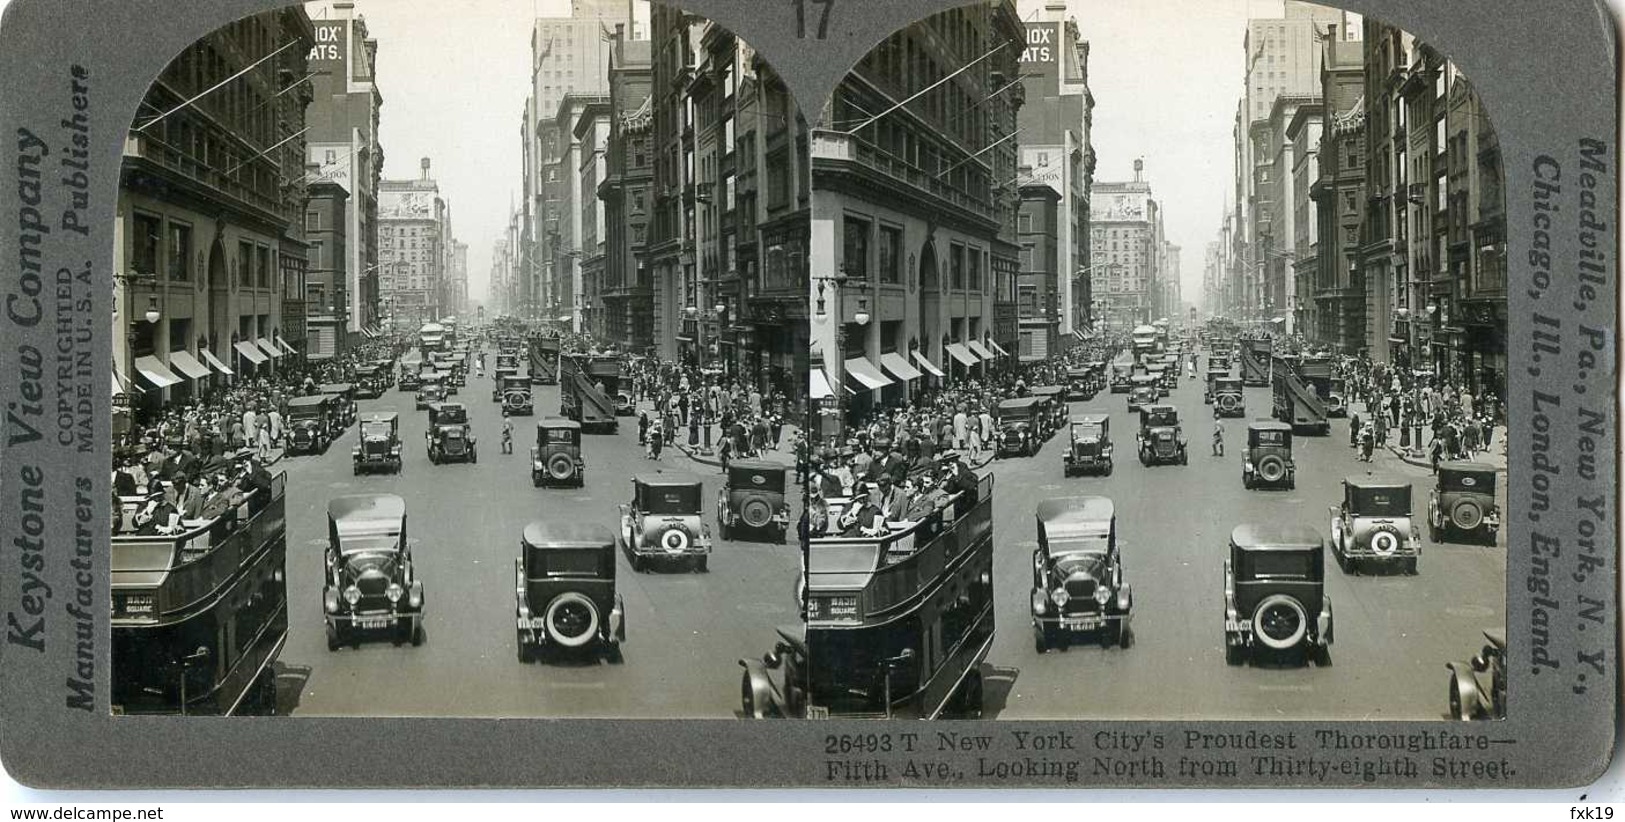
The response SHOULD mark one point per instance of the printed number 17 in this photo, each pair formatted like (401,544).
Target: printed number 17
(801,18)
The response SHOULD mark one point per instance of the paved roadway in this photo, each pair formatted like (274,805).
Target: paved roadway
(1393,634)
(685,631)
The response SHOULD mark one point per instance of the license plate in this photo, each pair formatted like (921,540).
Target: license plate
(369,623)
(1081,623)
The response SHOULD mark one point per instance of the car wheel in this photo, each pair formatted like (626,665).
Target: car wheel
(571,620)
(723,533)
(1125,637)
(333,638)
(417,634)
(535,480)
(1108,468)
(434,459)
(1280,622)
(1466,515)
(1040,640)
(702,565)
(614,654)
(1410,566)
(1460,707)
(1232,653)
(1271,468)
(1184,458)
(1433,530)
(747,699)
(524,649)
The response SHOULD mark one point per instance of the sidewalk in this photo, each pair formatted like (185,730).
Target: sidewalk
(782,455)
(1496,456)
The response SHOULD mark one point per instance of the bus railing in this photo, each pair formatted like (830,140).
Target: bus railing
(156,577)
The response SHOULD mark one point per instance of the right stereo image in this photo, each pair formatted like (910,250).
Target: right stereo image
(1158,366)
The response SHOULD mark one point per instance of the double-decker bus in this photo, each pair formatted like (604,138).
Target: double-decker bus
(199,617)
(432,338)
(1144,340)
(897,626)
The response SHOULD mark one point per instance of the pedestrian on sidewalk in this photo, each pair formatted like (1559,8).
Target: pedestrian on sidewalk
(777,429)
(974,438)
(643,428)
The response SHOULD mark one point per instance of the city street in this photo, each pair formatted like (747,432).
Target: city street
(1393,634)
(685,630)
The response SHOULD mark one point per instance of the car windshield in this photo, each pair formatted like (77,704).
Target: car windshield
(1083,432)
(452,432)
(1162,416)
(683,499)
(1381,502)
(375,430)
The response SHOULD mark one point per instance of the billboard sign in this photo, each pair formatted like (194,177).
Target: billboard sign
(331,53)
(1041,60)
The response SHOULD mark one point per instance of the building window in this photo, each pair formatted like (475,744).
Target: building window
(1026,224)
(262,267)
(855,249)
(147,231)
(313,220)
(976,270)
(180,252)
(956,268)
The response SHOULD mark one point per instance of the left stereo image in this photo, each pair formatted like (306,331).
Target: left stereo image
(458,383)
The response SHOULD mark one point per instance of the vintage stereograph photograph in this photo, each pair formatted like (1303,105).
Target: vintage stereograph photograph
(1178,393)
(445,388)
(1159,377)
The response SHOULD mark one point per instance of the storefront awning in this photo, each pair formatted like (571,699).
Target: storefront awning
(820,384)
(184,363)
(1079,335)
(269,349)
(979,350)
(865,372)
(924,361)
(211,359)
(369,333)
(250,352)
(995,346)
(959,352)
(155,372)
(285,347)
(899,367)
(122,385)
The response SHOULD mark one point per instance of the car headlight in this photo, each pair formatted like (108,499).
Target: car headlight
(352,595)
(1103,594)
(1059,596)
(394,592)
(1039,601)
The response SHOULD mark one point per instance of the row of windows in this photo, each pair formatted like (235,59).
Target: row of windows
(164,247)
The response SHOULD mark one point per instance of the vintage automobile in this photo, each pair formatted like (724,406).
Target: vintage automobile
(1160,439)
(624,406)
(1021,426)
(1275,593)
(1144,393)
(430,391)
(1159,378)
(343,403)
(501,378)
(1078,575)
(1170,375)
(663,522)
(380,445)
(564,581)
(1080,384)
(1374,524)
(1337,404)
(1090,450)
(448,378)
(310,429)
(1268,459)
(516,399)
(1058,412)
(450,437)
(555,459)
(369,384)
(751,502)
(507,361)
(1478,687)
(1462,504)
(1122,377)
(370,584)
(776,685)
(1213,376)
(411,379)
(1227,397)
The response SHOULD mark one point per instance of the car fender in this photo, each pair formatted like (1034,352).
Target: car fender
(617,621)
(1125,600)
(519,589)
(1323,624)
(1470,696)
(414,597)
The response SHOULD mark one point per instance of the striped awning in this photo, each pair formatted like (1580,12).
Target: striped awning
(249,351)
(184,363)
(1078,334)
(979,350)
(995,346)
(211,359)
(919,357)
(865,372)
(820,384)
(959,352)
(368,333)
(899,367)
(156,372)
(269,348)
(122,385)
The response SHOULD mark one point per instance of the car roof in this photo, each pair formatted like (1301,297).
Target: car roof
(1467,467)
(1275,535)
(568,533)
(557,422)
(1377,482)
(1158,409)
(1091,419)
(336,386)
(756,465)
(444,406)
(310,400)
(1268,425)
(666,481)
(363,508)
(1071,513)
(383,416)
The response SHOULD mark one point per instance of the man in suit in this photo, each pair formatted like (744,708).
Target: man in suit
(893,504)
(258,486)
(961,481)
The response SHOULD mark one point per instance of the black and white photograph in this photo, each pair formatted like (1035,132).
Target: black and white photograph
(458,365)
(1159,355)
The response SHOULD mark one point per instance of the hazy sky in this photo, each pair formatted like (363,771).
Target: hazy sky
(1166,75)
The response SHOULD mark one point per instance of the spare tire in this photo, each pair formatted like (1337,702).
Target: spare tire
(755,510)
(560,466)
(674,540)
(1279,622)
(1384,541)
(571,619)
(1228,401)
(1467,515)
(1271,468)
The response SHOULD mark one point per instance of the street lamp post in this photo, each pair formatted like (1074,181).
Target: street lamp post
(840,282)
(700,317)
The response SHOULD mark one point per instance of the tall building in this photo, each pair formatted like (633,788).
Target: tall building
(1300,163)
(457,279)
(1338,319)
(344,155)
(1055,124)
(1039,292)
(209,241)
(1383,251)
(627,291)
(916,209)
(1126,235)
(411,216)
